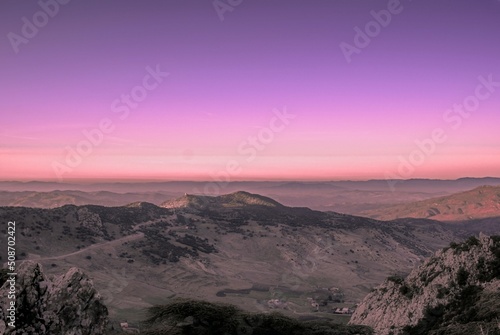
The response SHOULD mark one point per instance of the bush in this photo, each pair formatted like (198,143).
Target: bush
(472,241)
(398,279)
(462,277)
(442,292)
(406,291)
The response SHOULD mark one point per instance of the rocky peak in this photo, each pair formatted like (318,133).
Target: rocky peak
(67,305)
(449,290)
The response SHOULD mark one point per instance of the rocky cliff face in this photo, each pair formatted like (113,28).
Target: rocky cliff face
(66,305)
(456,291)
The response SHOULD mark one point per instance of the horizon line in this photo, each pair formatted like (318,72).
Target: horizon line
(133,180)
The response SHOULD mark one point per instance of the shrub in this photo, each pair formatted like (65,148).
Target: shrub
(472,241)
(398,279)
(442,292)
(462,277)
(465,246)
(406,291)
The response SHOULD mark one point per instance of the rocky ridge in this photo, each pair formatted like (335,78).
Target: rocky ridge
(67,305)
(454,292)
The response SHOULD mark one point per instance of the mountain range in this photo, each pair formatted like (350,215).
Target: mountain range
(350,197)
(241,248)
(481,202)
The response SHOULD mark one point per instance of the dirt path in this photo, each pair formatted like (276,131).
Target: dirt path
(127,238)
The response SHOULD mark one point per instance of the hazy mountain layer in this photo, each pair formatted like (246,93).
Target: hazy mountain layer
(481,202)
(351,197)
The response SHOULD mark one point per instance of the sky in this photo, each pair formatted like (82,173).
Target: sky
(249,89)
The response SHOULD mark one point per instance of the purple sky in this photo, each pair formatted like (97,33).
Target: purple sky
(228,79)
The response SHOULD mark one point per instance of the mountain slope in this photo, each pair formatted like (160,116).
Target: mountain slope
(240,248)
(481,202)
(457,291)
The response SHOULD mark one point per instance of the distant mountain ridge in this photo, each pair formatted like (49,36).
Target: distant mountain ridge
(352,197)
(481,202)
(58,198)
(452,185)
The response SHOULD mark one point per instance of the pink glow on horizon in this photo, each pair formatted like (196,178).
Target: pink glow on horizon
(352,121)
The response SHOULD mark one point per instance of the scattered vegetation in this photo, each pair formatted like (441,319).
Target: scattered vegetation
(196,243)
(427,277)
(443,292)
(472,310)
(204,318)
(490,269)
(465,246)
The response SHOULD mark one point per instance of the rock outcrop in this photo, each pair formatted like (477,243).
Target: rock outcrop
(66,305)
(456,291)
(90,221)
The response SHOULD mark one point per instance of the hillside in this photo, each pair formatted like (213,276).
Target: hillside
(240,248)
(479,203)
(457,291)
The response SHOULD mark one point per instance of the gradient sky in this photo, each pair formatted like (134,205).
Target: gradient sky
(227,78)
